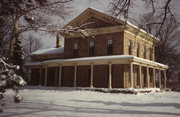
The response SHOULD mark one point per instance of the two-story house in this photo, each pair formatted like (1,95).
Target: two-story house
(116,54)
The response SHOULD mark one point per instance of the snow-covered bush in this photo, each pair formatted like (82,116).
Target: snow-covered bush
(9,79)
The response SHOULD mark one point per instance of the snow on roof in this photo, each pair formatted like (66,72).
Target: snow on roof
(49,51)
(148,61)
(142,30)
(91,58)
(96,58)
(33,64)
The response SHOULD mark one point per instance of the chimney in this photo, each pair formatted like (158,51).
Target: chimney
(58,41)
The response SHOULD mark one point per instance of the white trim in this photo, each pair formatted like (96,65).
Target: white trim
(138,37)
(92,73)
(115,59)
(75,75)
(110,76)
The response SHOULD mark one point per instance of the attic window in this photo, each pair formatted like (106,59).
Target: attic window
(75,49)
(130,47)
(144,52)
(75,46)
(151,53)
(138,49)
(91,48)
(110,47)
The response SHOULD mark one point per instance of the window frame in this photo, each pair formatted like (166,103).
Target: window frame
(145,52)
(130,47)
(138,50)
(75,49)
(109,49)
(91,48)
(151,53)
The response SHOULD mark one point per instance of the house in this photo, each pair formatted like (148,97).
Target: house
(117,54)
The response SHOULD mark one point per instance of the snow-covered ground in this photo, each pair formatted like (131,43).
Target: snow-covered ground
(69,102)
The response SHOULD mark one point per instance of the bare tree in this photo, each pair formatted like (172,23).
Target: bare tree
(27,15)
(31,44)
(167,49)
(161,21)
(156,8)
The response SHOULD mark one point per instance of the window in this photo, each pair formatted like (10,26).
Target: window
(110,47)
(150,53)
(75,49)
(145,52)
(138,49)
(91,48)
(130,47)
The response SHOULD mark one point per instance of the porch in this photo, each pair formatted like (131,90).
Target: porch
(131,72)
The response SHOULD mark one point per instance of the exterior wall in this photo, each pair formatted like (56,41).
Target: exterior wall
(100,78)
(117,76)
(35,76)
(126,76)
(135,39)
(150,77)
(83,76)
(100,44)
(67,76)
(52,76)
(136,76)
(43,77)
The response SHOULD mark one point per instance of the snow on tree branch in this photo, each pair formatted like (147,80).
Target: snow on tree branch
(9,79)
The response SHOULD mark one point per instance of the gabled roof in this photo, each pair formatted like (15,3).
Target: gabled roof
(91,12)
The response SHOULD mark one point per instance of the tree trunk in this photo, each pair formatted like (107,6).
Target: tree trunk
(15,36)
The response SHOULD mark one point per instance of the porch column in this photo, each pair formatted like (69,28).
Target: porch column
(45,83)
(75,74)
(131,75)
(91,80)
(147,76)
(40,76)
(110,76)
(159,78)
(60,72)
(165,78)
(154,78)
(140,76)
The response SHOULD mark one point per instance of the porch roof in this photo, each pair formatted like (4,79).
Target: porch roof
(99,60)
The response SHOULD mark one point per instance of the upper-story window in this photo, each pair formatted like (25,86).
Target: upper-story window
(91,48)
(75,49)
(129,47)
(138,49)
(144,52)
(150,53)
(110,47)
